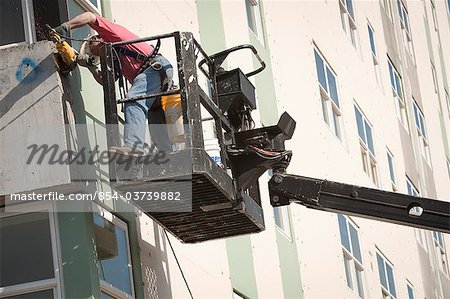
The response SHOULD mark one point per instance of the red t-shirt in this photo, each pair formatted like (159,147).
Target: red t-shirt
(111,32)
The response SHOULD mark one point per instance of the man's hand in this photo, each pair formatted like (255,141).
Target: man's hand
(85,60)
(63,29)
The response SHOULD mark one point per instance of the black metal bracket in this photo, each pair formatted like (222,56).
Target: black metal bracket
(359,201)
(218,58)
(258,150)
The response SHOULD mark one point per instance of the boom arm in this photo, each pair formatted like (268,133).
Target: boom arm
(360,201)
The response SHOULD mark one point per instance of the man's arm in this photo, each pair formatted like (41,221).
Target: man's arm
(86,18)
(81,20)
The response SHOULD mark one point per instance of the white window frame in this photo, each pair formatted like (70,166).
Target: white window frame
(421,235)
(41,285)
(284,224)
(106,287)
(28,24)
(433,12)
(398,95)
(408,287)
(348,21)
(421,132)
(89,6)
(404,18)
(435,79)
(355,266)
(257,19)
(331,112)
(372,40)
(441,252)
(376,63)
(410,188)
(391,168)
(386,293)
(405,26)
(368,158)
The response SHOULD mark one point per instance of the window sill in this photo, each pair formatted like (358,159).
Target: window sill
(88,6)
(283,233)
(12,45)
(259,39)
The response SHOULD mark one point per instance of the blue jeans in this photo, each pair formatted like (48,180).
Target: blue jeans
(147,82)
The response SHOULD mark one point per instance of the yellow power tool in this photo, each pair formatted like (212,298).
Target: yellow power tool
(67,54)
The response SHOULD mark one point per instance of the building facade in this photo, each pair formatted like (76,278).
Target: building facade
(366,82)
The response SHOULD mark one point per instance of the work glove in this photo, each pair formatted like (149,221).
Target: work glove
(85,60)
(63,29)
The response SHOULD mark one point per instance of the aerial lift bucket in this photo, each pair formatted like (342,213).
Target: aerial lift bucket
(225,197)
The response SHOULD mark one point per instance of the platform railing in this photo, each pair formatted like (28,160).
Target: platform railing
(193,97)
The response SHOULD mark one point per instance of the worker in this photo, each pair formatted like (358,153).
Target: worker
(155,75)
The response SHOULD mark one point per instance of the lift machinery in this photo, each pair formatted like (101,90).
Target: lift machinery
(224,198)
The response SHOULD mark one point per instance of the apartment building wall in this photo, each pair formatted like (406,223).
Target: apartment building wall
(294,31)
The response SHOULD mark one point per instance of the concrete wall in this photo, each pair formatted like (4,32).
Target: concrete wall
(33,110)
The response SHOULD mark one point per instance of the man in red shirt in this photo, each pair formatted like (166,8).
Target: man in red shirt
(145,82)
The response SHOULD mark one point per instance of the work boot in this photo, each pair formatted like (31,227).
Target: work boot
(125,150)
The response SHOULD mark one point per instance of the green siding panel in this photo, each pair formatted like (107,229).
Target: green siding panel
(290,268)
(78,255)
(242,270)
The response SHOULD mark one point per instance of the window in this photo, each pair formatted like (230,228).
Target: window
(374,52)
(406,30)
(353,264)
(329,94)
(396,84)
(421,235)
(386,273)
(448,6)
(113,253)
(438,239)
(371,40)
(18,234)
(410,188)
(404,18)
(367,147)
(348,19)
(435,81)
(95,3)
(16,22)
(421,132)
(254,18)
(390,159)
(410,290)
(433,12)
(282,220)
